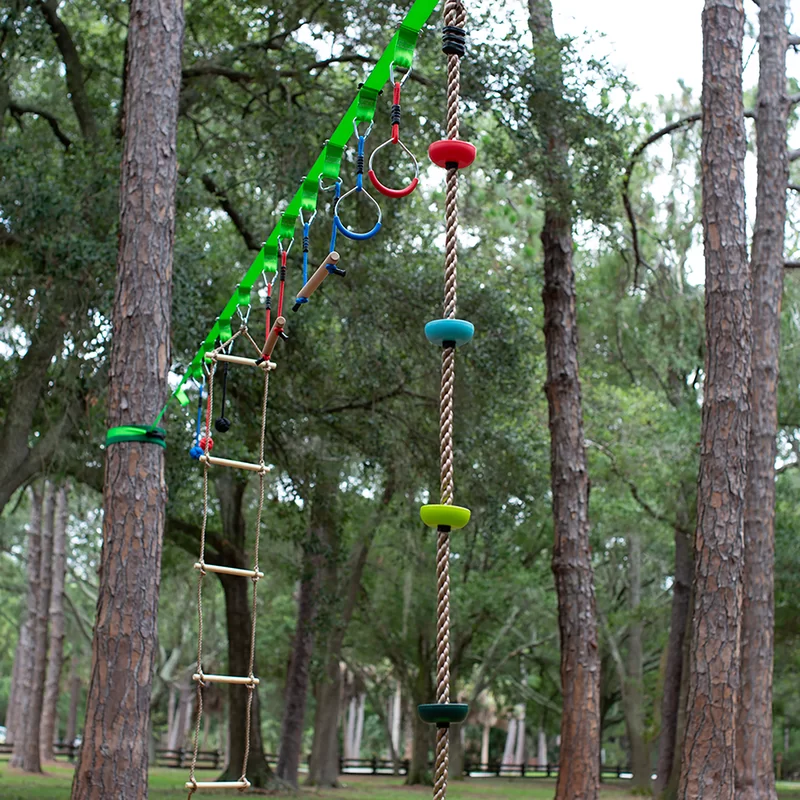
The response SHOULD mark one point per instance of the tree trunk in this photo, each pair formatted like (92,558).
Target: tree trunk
(511,740)
(317,551)
(49,728)
(419,772)
(487,729)
(114,755)
(519,753)
(30,757)
(13,689)
(541,750)
(579,772)
(25,647)
(709,746)
(674,677)
(74,702)
(755,778)
(633,698)
(238,609)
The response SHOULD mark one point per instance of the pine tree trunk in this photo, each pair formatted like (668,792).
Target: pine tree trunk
(26,647)
(48,733)
(673,673)
(634,690)
(74,702)
(579,771)
(30,755)
(114,754)
(755,778)
(709,746)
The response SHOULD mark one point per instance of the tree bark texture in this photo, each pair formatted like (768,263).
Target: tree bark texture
(27,638)
(48,731)
(316,551)
(633,695)
(31,756)
(709,746)
(19,695)
(579,771)
(673,672)
(74,701)
(114,755)
(755,777)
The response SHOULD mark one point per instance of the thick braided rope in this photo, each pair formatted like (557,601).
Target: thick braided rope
(251,688)
(454,14)
(201,574)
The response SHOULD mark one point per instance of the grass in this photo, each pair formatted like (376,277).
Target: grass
(165,784)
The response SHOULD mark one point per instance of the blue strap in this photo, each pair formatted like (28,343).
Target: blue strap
(306,228)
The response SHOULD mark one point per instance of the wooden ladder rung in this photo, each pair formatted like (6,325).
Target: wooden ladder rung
(244,573)
(225,679)
(243,784)
(228,462)
(248,362)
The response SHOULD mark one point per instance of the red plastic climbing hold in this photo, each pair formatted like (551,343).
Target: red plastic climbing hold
(452,151)
(202,443)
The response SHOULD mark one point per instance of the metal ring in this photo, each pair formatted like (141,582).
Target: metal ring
(330,188)
(353,234)
(311,219)
(385,190)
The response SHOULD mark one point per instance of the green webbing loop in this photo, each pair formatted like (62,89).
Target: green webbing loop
(400,51)
(333,161)
(310,190)
(288,221)
(137,433)
(404,46)
(367,100)
(243,295)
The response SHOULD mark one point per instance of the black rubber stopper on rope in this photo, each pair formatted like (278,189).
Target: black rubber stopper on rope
(454,40)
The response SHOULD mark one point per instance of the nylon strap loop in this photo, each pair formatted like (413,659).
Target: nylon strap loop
(137,433)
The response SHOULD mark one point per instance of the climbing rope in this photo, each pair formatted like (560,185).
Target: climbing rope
(453,34)
(200,677)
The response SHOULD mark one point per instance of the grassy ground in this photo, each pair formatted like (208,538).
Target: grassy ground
(165,784)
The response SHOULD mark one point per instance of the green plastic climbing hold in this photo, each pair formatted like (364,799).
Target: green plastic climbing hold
(435,516)
(443,714)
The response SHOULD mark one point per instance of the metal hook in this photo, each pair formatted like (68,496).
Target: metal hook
(403,79)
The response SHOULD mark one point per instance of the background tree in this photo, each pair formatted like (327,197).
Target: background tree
(708,754)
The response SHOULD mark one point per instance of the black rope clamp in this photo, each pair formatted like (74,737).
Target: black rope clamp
(454,41)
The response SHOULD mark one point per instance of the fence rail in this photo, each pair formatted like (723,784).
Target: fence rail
(215,760)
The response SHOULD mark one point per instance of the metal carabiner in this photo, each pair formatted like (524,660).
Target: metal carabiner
(402,80)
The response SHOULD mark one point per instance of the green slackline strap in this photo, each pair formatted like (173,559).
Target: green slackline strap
(137,433)
(399,52)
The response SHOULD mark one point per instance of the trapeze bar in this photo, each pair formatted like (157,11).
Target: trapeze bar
(315,281)
(274,334)
(244,573)
(227,462)
(243,784)
(248,362)
(225,679)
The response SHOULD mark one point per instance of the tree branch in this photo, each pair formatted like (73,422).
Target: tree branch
(74,69)
(52,121)
(236,218)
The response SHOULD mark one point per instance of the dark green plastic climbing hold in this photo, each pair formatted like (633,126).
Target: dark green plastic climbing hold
(443,713)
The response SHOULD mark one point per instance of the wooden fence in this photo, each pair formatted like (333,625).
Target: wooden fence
(215,760)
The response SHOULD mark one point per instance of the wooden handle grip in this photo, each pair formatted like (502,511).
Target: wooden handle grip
(315,281)
(272,339)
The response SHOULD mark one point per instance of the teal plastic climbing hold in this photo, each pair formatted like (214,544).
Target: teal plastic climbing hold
(443,714)
(445,516)
(457,331)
